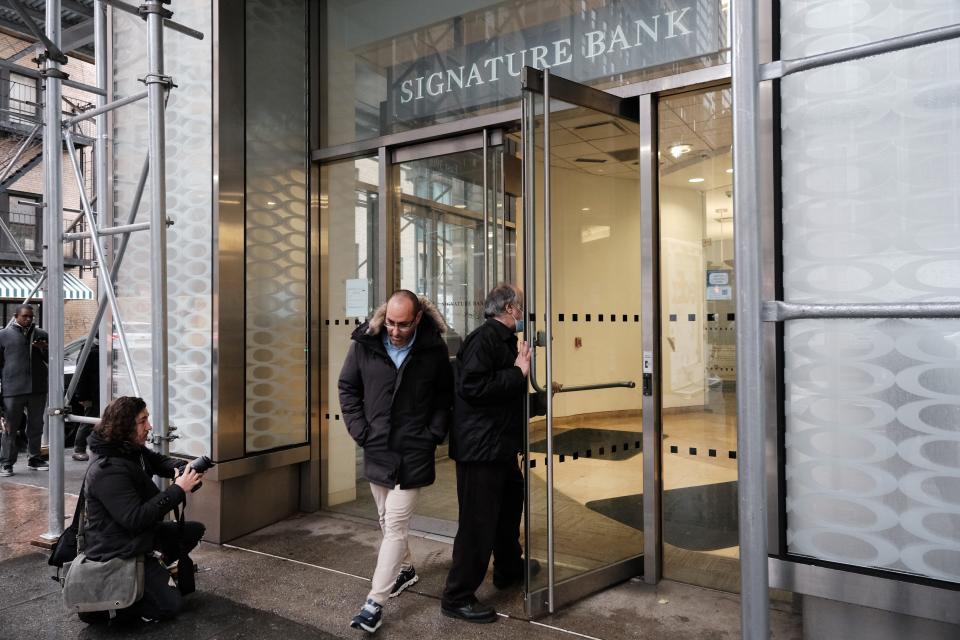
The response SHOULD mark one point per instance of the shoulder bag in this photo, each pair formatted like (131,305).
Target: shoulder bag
(89,585)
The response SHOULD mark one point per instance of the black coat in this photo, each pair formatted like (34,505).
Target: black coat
(398,416)
(23,367)
(124,507)
(488,408)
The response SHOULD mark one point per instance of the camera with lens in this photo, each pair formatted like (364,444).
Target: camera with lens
(200,465)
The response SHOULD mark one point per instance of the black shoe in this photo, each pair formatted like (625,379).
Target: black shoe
(405,579)
(38,464)
(81,456)
(507,580)
(6,472)
(471,612)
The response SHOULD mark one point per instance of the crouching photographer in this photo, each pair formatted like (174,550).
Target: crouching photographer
(123,515)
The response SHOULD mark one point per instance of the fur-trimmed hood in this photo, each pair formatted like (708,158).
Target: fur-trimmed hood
(431,315)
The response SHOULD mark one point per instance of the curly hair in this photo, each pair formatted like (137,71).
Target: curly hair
(118,424)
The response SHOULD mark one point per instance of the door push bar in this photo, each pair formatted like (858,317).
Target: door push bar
(629,384)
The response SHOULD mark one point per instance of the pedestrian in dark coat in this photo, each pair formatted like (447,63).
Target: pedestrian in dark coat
(396,389)
(125,510)
(23,384)
(485,441)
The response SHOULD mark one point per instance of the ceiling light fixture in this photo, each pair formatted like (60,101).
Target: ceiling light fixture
(459,206)
(729,170)
(678,150)
(695,180)
(585,209)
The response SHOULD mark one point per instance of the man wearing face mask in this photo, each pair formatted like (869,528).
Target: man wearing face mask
(23,383)
(486,438)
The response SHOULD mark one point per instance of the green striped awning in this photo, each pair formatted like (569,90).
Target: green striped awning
(17,282)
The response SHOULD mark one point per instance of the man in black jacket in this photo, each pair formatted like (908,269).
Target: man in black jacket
(23,383)
(396,391)
(486,437)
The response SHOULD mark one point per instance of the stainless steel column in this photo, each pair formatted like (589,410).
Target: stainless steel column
(53,261)
(157,86)
(104,196)
(548,327)
(751,418)
(650,310)
(486,215)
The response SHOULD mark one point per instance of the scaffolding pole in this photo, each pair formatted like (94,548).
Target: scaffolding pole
(157,86)
(53,263)
(56,132)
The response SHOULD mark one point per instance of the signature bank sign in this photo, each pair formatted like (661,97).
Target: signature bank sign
(621,37)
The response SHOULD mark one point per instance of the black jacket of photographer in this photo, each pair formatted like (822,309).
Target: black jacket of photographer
(398,416)
(124,506)
(488,421)
(23,366)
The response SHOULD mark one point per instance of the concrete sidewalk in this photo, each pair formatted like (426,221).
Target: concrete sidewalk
(306,577)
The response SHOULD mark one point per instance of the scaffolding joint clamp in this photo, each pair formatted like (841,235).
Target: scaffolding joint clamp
(170,221)
(58,411)
(156,438)
(155,7)
(54,73)
(158,78)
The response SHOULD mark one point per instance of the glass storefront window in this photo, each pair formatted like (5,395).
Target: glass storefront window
(870,154)
(403,64)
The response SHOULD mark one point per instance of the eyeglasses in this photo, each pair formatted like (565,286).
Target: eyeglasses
(402,326)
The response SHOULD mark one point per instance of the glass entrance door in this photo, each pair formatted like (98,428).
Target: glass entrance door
(582,274)
(455,238)
(451,229)
(698,340)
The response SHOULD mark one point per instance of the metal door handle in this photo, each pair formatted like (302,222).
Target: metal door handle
(628,384)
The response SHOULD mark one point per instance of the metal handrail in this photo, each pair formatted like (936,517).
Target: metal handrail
(780,311)
(782,68)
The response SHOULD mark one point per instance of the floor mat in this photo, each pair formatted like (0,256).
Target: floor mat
(700,518)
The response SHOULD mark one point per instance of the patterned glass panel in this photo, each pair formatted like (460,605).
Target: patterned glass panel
(276,224)
(189,126)
(809,27)
(871,213)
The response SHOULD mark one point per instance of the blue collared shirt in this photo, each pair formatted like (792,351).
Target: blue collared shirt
(398,354)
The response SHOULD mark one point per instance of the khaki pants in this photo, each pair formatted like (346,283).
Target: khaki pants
(395,507)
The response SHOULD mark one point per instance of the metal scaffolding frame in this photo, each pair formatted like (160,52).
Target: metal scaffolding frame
(57,137)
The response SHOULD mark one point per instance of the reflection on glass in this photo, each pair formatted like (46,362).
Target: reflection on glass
(349,208)
(698,343)
(597,457)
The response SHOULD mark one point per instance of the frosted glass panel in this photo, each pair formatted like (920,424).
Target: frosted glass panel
(809,27)
(871,213)
(276,224)
(871,200)
(189,125)
(873,443)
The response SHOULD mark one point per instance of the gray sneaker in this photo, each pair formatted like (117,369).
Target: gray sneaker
(6,472)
